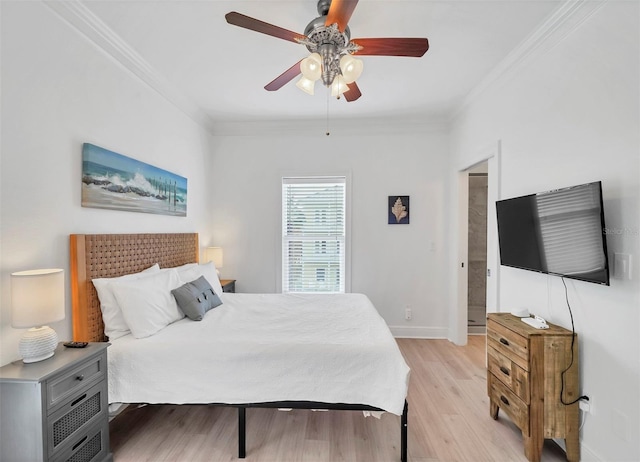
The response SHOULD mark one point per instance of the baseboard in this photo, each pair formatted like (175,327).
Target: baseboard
(419,332)
(586,455)
(476,330)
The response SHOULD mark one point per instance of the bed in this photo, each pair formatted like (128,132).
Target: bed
(254,350)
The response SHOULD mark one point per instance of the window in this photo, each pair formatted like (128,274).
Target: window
(313,234)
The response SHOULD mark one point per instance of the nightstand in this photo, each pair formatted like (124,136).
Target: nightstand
(228,285)
(56,409)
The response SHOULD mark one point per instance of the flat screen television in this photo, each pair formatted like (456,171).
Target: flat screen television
(560,232)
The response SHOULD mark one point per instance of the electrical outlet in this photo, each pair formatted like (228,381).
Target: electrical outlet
(585,406)
(407,313)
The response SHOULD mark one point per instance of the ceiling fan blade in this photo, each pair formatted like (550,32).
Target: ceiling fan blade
(353,93)
(247,22)
(284,78)
(340,12)
(413,47)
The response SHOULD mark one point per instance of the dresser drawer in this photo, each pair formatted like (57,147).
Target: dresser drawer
(509,373)
(508,343)
(515,408)
(72,419)
(65,385)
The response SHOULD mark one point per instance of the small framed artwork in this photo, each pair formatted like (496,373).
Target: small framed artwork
(398,210)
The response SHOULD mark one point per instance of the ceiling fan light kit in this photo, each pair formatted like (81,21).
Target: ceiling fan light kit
(306,85)
(311,66)
(351,68)
(338,86)
(328,38)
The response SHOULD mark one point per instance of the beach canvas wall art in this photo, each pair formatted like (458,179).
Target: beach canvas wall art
(113,181)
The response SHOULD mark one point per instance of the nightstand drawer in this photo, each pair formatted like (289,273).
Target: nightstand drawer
(65,385)
(73,418)
(509,373)
(508,343)
(510,403)
(91,447)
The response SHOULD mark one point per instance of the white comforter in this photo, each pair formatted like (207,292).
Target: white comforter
(264,348)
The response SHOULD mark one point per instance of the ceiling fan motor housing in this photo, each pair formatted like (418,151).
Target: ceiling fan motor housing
(318,32)
(329,42)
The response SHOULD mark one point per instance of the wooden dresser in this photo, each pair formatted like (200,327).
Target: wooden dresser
(524,380)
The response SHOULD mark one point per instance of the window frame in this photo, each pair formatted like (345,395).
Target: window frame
(344,176)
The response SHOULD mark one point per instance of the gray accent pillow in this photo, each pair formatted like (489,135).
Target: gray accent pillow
(195,298)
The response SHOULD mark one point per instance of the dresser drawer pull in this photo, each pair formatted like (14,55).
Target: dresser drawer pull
(75,446)
(504,341)
(504,370)
(504,400)
(80,378)
(78,400)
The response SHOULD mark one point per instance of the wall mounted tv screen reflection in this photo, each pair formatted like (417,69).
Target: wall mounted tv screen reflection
(558,232)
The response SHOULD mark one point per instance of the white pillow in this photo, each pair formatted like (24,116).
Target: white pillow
(180,268)
(147,303)
(114,324)
(208,270)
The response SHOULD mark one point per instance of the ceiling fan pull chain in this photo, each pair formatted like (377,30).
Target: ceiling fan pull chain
(328,97)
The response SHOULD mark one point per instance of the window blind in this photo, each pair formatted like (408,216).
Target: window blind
(571,231)
(313,234)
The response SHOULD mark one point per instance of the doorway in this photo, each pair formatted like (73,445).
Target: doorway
(477,249)
(459,325)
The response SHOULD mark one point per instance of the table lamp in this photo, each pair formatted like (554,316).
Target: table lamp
(215,255)
(37,298)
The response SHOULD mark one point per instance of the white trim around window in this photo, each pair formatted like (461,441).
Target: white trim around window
(315,244)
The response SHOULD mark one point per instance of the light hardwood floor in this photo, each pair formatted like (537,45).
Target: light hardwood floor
(448,421)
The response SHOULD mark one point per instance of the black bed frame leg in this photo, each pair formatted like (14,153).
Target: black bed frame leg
(242,432)
(403,432)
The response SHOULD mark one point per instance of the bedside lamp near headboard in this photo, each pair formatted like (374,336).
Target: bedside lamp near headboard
(37,298)
(216,255)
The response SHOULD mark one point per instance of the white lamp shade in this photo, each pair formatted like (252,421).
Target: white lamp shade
(351,68)
(37,297)
(311,67)
(216,255)
(339,86)
(306,85)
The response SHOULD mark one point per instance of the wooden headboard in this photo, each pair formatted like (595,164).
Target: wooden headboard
(112,255)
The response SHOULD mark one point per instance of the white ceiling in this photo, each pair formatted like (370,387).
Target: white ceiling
(221,69)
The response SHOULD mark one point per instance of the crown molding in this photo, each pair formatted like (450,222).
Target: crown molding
(564,20)
(92,27)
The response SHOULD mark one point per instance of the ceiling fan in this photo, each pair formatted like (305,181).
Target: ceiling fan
(328,38)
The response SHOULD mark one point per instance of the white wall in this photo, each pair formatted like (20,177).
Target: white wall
(570,116)
(59,91)
(395,265)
